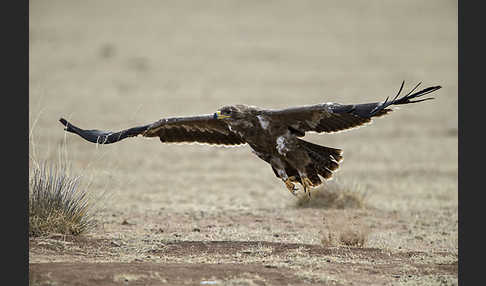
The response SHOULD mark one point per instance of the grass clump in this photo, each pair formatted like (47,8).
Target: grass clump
(344,232)
(334,195)
(57,204)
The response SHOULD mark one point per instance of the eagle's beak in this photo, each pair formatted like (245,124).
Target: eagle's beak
(218,115)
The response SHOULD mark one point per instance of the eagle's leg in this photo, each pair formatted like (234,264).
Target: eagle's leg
(306,183)
(279,169)
(290,185)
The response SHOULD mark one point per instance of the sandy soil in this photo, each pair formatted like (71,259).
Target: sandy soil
(196,214)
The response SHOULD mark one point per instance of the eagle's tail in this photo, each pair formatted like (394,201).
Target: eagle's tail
(325,160)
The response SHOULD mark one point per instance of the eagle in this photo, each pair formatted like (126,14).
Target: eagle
(274,135)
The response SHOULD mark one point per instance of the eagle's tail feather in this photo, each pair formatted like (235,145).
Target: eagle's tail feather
(325,160)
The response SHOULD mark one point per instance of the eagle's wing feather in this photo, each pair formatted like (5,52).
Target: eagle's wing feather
(201,129)
(334,117)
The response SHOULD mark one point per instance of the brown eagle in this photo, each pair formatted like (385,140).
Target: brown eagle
(273,135)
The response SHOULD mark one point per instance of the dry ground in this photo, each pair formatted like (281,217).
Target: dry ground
(193,214)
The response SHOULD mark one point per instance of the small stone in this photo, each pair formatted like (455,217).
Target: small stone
(116,244)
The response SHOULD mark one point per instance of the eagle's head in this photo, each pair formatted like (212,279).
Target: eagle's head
(231,112)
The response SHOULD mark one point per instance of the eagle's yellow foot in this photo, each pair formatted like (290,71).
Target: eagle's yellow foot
(290,186)
(307,184)
(293,179)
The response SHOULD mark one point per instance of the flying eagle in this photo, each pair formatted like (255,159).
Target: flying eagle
(273,135)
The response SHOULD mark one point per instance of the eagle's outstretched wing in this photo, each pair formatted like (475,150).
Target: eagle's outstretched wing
(334,117)
(201,129)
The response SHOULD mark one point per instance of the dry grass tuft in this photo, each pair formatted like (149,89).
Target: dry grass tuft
(344,231)
(354,237)
(335,195)
(57,204)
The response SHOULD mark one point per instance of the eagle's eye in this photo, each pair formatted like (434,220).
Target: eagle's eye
(227,111)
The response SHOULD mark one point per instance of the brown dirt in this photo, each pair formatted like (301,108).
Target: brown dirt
(274,266)
(153,255)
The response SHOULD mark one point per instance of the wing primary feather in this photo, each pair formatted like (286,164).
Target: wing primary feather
(406,98)
(400,90)
(103,137)
(413,89)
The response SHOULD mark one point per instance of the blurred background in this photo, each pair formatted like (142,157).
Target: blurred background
(116,64)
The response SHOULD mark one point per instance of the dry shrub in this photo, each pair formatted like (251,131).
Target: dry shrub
(57,203)
(334,194)
(353,237)
(344,231)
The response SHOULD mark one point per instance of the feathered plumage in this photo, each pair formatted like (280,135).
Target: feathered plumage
(272,134)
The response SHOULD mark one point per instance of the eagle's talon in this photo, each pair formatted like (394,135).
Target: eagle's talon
(307,184)
(293,179)
(291,186)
